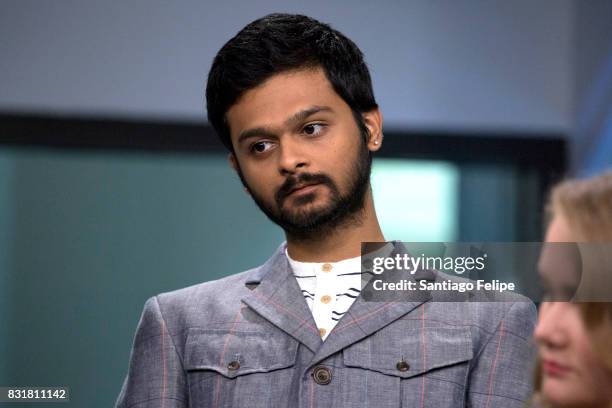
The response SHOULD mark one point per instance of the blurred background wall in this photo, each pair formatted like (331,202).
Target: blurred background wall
(591,134)
(87,235)
(477,64)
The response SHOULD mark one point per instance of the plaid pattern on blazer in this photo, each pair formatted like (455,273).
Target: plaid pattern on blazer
(249,340)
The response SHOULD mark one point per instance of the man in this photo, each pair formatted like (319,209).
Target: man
(292,100)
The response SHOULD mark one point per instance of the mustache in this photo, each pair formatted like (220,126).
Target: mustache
(303,178)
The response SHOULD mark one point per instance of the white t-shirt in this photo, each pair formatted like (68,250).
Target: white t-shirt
(329,288)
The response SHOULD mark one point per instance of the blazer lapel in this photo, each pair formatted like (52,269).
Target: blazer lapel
(365,317)
(276,296)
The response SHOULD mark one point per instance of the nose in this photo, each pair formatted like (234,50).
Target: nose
(292,157)
(549,331)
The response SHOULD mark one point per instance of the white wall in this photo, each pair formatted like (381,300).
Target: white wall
(442,64)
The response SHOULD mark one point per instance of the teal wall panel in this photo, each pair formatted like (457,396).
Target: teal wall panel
(6,228)
(94,235)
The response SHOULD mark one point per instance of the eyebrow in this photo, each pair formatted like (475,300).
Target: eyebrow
(289,122)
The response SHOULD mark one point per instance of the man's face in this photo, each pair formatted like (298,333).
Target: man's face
(300,153)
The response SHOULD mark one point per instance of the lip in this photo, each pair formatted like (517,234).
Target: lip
(554,369)
(303,189)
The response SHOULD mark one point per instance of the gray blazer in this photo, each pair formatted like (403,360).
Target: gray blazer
(249,340)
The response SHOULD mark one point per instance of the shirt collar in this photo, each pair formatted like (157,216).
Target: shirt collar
(344,266)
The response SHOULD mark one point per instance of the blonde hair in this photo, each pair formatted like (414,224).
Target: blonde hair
(586,207)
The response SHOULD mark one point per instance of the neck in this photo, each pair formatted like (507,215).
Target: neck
(341,243)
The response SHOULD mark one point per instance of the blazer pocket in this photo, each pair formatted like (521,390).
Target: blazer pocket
(238,352)
(230,368)
(413,352)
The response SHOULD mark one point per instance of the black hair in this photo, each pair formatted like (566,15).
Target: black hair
(282,42)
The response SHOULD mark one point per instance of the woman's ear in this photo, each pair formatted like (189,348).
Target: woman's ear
(373,121)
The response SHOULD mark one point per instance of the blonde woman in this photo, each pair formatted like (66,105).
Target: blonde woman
(575,338)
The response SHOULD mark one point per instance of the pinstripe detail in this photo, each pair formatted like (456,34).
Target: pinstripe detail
(493,366)
(227,338)
(165,371)
(365,316)
(287,312)
(424,351)
(312,394)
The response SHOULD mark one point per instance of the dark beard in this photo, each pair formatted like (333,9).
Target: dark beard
(342,210)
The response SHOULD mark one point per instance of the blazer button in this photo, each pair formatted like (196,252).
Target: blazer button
(402,365)
(233,365)
(322,375)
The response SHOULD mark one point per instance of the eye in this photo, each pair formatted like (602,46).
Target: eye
(313,129)
(261,146)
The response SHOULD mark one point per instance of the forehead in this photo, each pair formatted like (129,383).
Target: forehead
(559,262)
(272,102)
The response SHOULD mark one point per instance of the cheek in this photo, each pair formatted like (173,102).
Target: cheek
(259,180)
(346,159)
(586,382)
(586,359)
(262,190)
(590,382)
(596,377)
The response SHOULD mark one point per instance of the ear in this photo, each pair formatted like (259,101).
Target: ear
(373,121)
(233,162)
